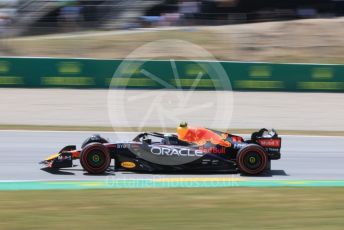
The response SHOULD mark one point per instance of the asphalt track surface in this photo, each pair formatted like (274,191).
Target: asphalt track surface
(250,110)
(303,158)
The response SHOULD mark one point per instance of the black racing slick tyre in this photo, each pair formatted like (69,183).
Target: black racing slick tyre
(95,158)
(252,160)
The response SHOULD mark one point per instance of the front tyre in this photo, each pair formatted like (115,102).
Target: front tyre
(95,158)
(252,159)
(96,138)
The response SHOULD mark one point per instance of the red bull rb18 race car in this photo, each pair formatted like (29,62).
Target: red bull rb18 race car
(191,150)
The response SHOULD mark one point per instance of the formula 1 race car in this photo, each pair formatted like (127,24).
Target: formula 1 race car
(190,150)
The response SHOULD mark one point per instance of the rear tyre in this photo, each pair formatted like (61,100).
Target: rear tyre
(95,158)
(252,160)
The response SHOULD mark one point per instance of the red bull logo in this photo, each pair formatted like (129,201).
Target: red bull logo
(213,150)
(201,136)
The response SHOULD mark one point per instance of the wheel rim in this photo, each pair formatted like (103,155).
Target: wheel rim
(252,160)
(96,158)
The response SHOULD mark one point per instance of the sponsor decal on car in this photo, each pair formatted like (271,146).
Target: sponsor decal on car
(180,152)
(239,145)
(213,150)
(273,149)
(128,164)
(273,143)
(63,158)
(121,146)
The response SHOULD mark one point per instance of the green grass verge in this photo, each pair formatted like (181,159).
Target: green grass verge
(220,208)
(154,129)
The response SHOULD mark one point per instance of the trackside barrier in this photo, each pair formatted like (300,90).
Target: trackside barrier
(140,74)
